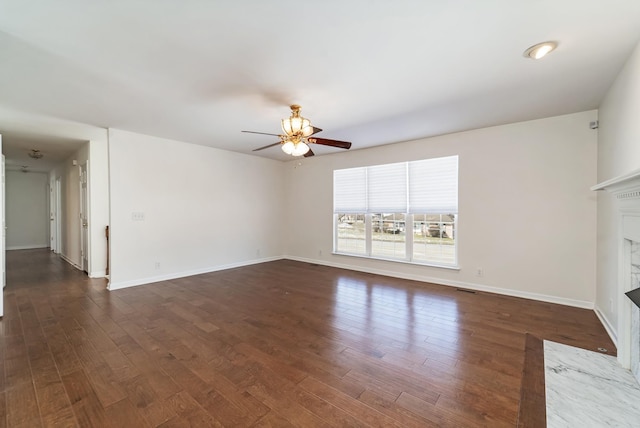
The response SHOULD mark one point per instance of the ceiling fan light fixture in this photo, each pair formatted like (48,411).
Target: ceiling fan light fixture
(35,154)
(296,125)
(298,134)
(307,130)
(288,147)
(540,50)
(300,149)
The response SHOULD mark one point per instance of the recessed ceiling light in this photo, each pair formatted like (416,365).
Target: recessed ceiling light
(540,50)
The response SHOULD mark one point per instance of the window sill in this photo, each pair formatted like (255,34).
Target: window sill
(435,265)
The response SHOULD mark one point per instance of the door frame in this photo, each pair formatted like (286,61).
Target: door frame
(55,209)
(85,216)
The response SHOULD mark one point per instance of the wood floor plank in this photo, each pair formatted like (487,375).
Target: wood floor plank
(104,381)
(86,406)
(190,413)
(124,414)
(533,410)
(277,344)
(434,414)
(272,420)
(3,409)
(22,406)
(356,408)
(63,352)
(55,408)
(395,411)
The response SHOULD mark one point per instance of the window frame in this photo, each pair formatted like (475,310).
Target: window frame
(409,243)
(406,211)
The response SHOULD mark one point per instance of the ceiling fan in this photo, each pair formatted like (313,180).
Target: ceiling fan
(298,134)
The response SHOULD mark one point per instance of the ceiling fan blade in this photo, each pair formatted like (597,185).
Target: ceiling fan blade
(266,147)
(309,153)
(261,133)
(332,143)
(315,130)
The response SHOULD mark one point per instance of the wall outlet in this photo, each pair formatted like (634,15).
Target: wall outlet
(320,253)
(479,271)
(157,265)
(611,305)
(258,252)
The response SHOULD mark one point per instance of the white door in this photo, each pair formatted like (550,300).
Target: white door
(84,219)
(58,223)
(53,205)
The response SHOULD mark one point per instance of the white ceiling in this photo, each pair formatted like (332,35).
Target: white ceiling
(368,71)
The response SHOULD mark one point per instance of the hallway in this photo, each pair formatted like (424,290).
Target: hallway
(41,291)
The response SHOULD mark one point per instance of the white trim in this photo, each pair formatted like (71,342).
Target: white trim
(98,274)
(149,280)
(607,325)
(68,260)
(471,286)
(623,183)
(409,262)
(27,247)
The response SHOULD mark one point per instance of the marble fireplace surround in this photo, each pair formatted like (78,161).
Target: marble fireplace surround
(626,190)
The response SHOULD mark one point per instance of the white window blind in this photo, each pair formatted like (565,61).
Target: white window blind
(433,186)
(387,188)
(350,190)
(425,186)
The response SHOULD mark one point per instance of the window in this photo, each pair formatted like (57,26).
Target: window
(388,238)
(434,238)
(351,236)
(404,211)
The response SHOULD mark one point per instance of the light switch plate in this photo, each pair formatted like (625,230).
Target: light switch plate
(137,216)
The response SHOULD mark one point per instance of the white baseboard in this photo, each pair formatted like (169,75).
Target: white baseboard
(607,325)
(98,274)
(468,285)
(71,262)
(27,247)
(149,280)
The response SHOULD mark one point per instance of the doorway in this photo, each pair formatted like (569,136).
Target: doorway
(84,219)
(56,212)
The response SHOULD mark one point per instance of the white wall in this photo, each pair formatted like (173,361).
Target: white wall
(526,214)
(27,210)
(98,206)
(618,154)
(204,209)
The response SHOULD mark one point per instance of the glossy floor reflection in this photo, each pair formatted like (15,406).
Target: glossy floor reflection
(283,343)
(588,389)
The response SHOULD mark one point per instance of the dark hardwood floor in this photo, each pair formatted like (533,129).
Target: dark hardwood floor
(276,344)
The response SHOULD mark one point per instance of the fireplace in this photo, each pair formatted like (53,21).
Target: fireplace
(626,190)
(634,295)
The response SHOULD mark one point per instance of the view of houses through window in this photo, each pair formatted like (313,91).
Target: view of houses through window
(432,240)
(405,211)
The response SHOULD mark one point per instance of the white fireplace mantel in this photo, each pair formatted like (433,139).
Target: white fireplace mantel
(624,186)
(626,189)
